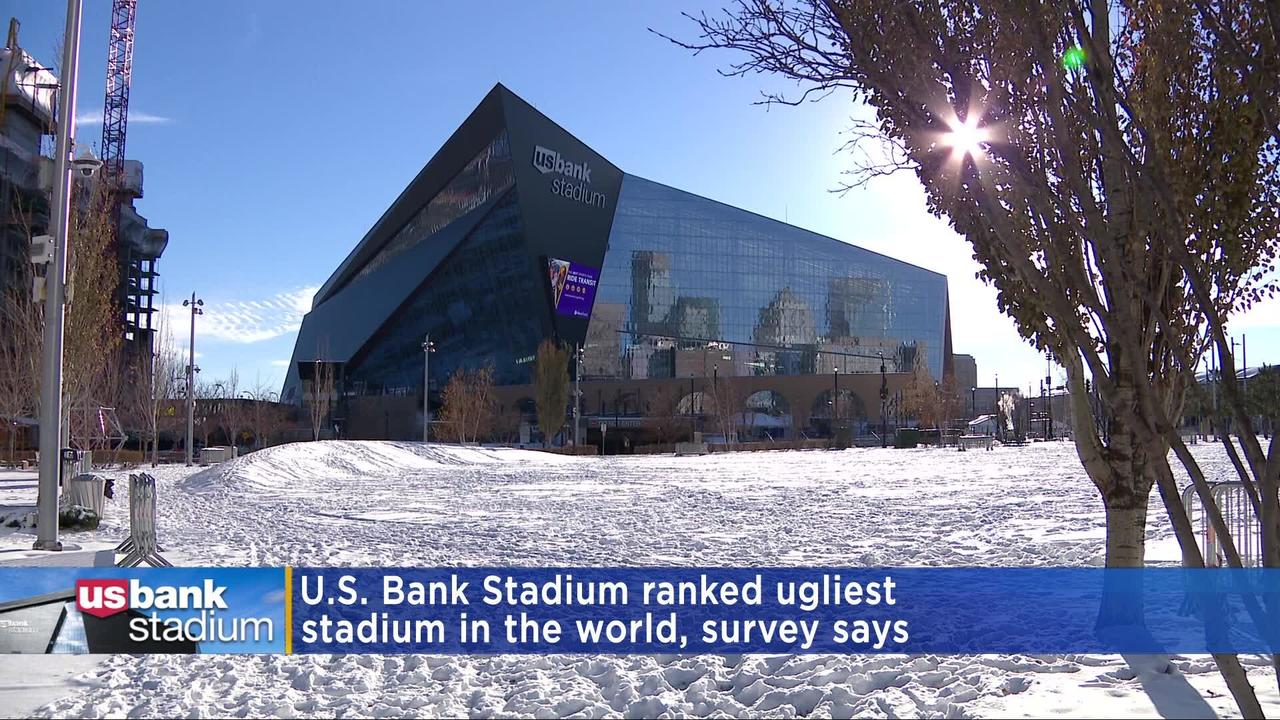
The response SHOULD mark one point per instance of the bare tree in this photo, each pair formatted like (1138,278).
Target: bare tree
(258,419)
(21,320)
(235,415)
(320,396)
(1113,165)
(163,369)
(662,416)
(467,405)
(726,408)
(93,370)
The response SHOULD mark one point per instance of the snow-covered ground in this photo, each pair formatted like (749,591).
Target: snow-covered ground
(348,503)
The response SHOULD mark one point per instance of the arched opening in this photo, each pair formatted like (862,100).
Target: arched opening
(831,411)
(766,415)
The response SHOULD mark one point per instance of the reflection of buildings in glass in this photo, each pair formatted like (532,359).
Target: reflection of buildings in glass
(651,358)
(786,321)
(696,318)
(652,295)
(858,307)
(602,356)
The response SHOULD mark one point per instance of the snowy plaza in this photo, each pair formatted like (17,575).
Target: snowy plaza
(404,504)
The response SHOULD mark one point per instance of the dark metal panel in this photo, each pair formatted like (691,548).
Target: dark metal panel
(479,128)
(568,193)
(344,323)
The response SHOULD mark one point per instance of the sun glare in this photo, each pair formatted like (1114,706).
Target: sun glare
(966,138)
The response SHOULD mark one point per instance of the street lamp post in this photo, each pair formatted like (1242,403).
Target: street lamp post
(835,399)
(884,395)
(196,306)
(55,285)
(973,402)
(692,417)
(577,395)
(1048,388)
(427,348)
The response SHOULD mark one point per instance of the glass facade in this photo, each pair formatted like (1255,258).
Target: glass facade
(689,284)
(487,175)
(479,305)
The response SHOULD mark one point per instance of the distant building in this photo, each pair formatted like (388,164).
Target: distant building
(984,425)
(28,123)
(966,372)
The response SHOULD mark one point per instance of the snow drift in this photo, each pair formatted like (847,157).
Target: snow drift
(298,465)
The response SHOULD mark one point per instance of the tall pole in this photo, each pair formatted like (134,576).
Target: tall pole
(1244,361)
(427,349)
(55,279)
(835,399)
(195,304)
(884,396)
(1048,388)
(577,395)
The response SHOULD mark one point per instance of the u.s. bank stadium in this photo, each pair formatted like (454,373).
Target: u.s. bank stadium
(516,231)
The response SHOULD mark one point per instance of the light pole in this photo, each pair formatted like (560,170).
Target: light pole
(973,402)
(577,395)
(55,285)
(428,347)
(835,399)
(1048,388)
(196,306)
(884,396)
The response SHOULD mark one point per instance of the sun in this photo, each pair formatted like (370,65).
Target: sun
(965,137)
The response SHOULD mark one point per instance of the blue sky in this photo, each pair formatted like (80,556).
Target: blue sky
(275,134)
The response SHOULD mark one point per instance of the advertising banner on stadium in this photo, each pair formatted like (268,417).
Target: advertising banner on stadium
(573,287)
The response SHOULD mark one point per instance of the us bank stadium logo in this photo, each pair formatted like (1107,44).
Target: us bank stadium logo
(190,611)
(575,179)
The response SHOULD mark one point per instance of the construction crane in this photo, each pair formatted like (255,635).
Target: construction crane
(115,112)
(137,255)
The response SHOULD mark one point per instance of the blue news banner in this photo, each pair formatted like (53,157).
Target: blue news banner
(783,610)
(638,610)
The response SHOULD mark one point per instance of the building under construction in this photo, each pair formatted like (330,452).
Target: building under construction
(28,112)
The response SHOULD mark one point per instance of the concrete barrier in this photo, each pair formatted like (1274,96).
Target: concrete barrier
(691,448)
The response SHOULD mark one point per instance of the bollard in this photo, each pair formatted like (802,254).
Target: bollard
(141,546)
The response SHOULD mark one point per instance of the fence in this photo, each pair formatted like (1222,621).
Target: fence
(1237,512)
(141,546)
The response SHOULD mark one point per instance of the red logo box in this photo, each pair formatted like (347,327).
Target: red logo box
(102,598)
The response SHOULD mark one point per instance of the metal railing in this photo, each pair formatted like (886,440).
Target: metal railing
(141,546)
(1237,511)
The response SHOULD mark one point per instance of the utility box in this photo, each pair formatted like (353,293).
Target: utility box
(215,455)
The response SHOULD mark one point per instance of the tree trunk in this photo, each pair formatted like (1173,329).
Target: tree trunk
(1126,530)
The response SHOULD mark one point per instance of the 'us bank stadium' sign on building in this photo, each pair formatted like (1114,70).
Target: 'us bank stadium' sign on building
(516,231)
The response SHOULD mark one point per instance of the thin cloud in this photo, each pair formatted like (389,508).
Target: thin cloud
(245,321)
(280,363)
(94,117)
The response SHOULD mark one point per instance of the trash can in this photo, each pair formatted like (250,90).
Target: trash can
(87,491)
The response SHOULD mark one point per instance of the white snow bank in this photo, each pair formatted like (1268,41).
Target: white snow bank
(299,465)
